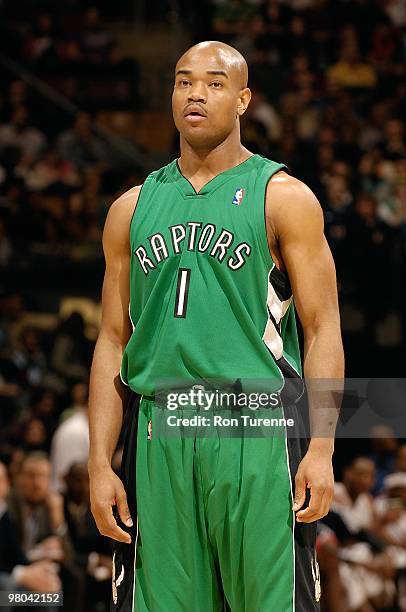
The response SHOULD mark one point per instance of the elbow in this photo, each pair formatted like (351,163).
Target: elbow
(113,338)
(325,332)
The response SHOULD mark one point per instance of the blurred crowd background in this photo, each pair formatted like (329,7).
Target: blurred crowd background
(84,115)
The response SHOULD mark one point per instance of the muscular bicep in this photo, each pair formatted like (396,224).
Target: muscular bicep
(116,323)
(307,256)
(115,300)
(311,271)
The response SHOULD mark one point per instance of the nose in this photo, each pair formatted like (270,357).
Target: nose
(197,93)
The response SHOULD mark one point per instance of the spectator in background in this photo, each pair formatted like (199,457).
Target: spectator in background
(298,40)
(371,134)
(391,194)
(9,405)
(384,48)
(372,243)
(19,95)
(393,146)
(52,172)
(40,45)
(390,508)
(401,458)
(384,447)
(92,551)
(350,70)
(43,407)
(15,570)
(38,515)
(369,171)
(96,43)
(81,146)
(352,498)
(276,17)
(70,443)
(12,457)
(82,219)
(366,574)
(253,134)
(395,9)
(37,510)
(231,18)
(265,75)
(261,111)
(19,134)
(28,359)
(337,212)
(71,350)
(33,436)
(6,249)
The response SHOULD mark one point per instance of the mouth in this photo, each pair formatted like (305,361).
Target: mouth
(194,114)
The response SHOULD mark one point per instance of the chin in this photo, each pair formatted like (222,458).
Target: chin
(197,140)
(201,139)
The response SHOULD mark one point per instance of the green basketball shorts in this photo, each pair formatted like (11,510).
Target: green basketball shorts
(214,527)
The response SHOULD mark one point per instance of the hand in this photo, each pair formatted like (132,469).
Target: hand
(315,472)
(106,491)
(52,548)
(54,500)
(40,576)
(51,543)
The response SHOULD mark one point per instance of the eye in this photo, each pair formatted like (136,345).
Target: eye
(216,84)
(184,82)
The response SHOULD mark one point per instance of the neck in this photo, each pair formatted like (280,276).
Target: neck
(208,162)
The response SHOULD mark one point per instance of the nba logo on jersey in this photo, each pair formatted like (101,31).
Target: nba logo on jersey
(238,196)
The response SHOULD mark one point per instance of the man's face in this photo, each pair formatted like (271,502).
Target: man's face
(34,480)
(19,117)
(206,97)
(80,394)
(363,476)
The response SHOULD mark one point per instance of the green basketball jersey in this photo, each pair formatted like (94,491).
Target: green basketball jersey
(206,300)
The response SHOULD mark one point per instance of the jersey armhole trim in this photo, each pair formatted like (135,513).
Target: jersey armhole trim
(267,251)
(133,213)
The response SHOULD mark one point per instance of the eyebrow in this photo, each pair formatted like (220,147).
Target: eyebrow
(216,72)
(219,72)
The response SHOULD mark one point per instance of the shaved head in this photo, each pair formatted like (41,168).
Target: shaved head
(210,94)
(233,61)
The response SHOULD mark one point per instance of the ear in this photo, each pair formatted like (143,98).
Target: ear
(243,101)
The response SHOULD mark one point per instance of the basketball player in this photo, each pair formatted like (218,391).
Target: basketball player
(202,265)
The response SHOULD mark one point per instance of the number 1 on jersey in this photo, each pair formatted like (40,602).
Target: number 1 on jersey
(182,292)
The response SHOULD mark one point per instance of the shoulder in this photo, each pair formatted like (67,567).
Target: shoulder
(118,220)
(162,173)
(286,188)
(125,204)
(291,203)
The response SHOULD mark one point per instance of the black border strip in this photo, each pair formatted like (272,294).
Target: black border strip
(185,300)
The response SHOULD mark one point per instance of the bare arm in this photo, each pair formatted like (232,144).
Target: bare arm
(296,222)
(106,390)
